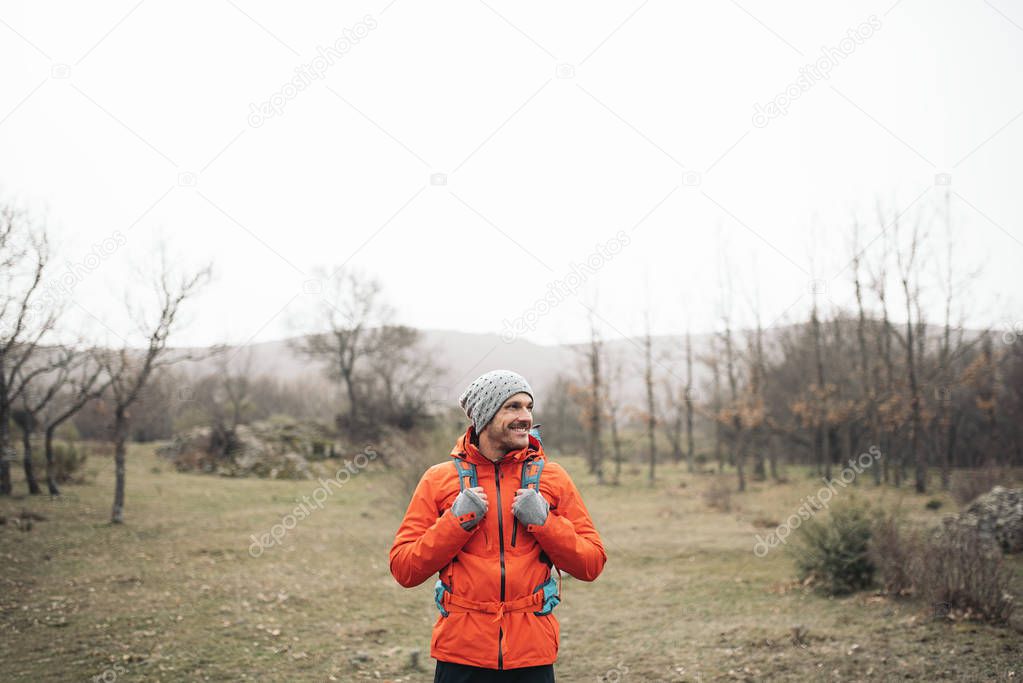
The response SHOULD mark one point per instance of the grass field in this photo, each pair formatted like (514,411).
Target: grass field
(175,594)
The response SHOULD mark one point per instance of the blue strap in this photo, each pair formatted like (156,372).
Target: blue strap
(531,471)
(465,469)
(438,596)
(551,598)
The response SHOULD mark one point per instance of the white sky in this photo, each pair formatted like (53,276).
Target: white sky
(106,116)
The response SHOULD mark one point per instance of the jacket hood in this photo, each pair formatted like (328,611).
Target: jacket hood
(465,450)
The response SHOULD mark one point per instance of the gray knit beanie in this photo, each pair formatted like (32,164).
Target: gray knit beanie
(487,394)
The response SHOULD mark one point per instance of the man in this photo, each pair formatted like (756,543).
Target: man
(493,541)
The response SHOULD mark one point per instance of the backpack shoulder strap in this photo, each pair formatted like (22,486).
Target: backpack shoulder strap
(531,471)
(466,474)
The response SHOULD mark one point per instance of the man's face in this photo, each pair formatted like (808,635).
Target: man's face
(509,430)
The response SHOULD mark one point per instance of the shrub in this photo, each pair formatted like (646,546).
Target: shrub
(68,460)
(833,553)
(960,571)
(896,555)
(952,569)
(718,495)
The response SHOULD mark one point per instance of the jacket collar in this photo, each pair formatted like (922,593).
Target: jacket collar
(465,450)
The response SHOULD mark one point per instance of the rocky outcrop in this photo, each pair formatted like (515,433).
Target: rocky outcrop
(998,517)
(273,449)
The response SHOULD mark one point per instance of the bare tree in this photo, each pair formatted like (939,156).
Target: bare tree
(651,406)
(717,404)
(612,393)
(84,382)
(398,376)
(690,450)
(24,320)
(907,263)
(674,408)
(350,309)
(237,384)
(593,401)
(868,387)
(38,388)
(887,416)
(733,414)
(821,395)
(129,370)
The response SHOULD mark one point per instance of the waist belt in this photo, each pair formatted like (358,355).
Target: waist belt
(542,601)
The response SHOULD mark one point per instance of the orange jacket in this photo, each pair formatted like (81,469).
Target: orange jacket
(491,622)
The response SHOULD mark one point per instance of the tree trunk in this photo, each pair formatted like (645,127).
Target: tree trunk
(690,450)
(7,453)
(596,451)
(847,456)
(120,446)
(826,450)
(676,435)
(30,475)
(759,466)
(651,418)
(617,445)
(51,474)
(916,452)
(740,462)
(690,446)
(718,427)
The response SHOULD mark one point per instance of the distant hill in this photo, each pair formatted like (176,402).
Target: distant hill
(465,355)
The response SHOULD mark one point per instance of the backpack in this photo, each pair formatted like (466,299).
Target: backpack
(532,468)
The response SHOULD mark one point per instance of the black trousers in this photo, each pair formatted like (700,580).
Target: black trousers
(449,672)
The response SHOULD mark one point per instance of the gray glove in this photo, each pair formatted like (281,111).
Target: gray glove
(530,508)
(466,502)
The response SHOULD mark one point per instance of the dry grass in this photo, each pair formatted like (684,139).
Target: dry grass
(175,595)
(718,494)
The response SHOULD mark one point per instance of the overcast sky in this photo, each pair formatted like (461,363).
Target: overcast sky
(474,155)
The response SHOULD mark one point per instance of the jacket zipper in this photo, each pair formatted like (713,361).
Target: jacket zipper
(500,538)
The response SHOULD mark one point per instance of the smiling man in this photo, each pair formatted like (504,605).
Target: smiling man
(492,521)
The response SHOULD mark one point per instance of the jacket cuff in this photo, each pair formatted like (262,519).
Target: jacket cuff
(462,519)
(534,528)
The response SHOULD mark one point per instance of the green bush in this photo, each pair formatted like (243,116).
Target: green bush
(68,459)
(834,552)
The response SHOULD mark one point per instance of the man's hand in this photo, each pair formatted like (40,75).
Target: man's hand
(530,507)
(470,500)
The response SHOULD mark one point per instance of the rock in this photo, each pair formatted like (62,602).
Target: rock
(998,517)
(276,449)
